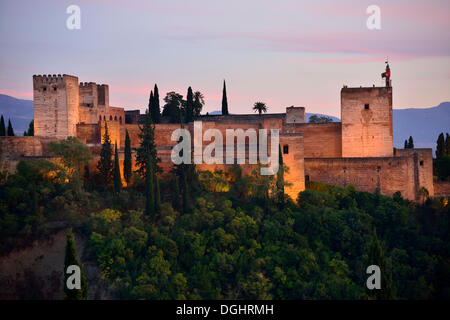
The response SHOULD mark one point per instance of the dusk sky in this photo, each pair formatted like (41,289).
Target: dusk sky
(281,52)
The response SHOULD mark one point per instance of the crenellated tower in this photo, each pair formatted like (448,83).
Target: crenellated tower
(56,102)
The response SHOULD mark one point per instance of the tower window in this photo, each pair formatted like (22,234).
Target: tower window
(110,118)
(44,89)
(421,163)
(307,178)
(366,106)
(285,149)
(54,88)
(378,169)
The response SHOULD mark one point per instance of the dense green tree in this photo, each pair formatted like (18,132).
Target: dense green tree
(224,100)
(71,259)
(10,130)
(105,164)
(116,175)
(411,143)
(176,192)
(199,102)
(377,257)
(406,144)
(260,107)
(74,156)
(2,127)
(322,119)
(440,146)
(173,107)
(189,106)
(127,165)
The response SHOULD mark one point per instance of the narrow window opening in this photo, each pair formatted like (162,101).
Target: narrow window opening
(285,149)
(366,106)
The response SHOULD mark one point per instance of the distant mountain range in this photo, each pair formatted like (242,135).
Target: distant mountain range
(423,124)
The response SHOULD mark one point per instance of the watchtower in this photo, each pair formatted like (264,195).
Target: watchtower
(56,101)
(366,115)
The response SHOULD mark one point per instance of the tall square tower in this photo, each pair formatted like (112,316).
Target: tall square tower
(56,101)
(366,115)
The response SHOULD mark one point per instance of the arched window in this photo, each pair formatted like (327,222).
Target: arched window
(104,118)
(120,120)
(115,118)
(110,118)
(100,118)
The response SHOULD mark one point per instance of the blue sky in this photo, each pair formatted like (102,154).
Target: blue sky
(281,52)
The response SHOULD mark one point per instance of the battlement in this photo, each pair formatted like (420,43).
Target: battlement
(87,85)
(39,80)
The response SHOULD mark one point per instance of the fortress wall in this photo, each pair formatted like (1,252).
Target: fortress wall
(88,115)
(366,115)
(322,140)
(14,149)
(295,161)
(389,174)
(89,133)
(73,102)
(442,188)
(423,167)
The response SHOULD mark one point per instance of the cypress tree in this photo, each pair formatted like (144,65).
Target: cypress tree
(70,258)
(411,143)
(127,158)
(30,132)
(440,146)
(176,192)
(377,257)
(189,106)
(146,160)
(10,130)
(105,164)
(149,189)
(224,100)
(185,193)
(156,105)
(117,178)
(157,195)
(2,127)
(406,145)
(447,144)
(280,178)
(150,105)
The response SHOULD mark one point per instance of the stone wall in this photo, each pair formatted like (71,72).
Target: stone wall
(442,188)
(89,133)
(389,174)
(366,115)
(322,140)
(14,149)
(423,167)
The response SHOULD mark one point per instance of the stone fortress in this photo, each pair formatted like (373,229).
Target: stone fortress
(358,150)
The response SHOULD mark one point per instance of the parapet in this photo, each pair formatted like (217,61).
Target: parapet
(44,80)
